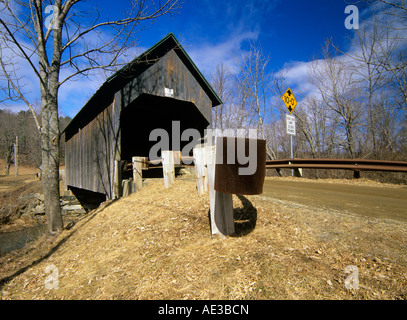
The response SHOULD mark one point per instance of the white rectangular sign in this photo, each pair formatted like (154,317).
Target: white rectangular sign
(169,92)
(290,124)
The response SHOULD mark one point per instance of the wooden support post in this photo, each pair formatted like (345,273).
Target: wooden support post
(200,170)
(168,167)
(139,163)
(177,159)
(16,156)
(127,187)
(221,204)
(117,182)
(298,172)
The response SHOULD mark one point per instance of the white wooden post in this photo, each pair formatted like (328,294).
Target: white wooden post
(168,167)
(138,163)
(221,204)
(200,170)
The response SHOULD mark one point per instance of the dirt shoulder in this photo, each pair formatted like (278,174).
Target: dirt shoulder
(359,197)
(156,244)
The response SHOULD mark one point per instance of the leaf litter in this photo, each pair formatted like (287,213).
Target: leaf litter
(156,244)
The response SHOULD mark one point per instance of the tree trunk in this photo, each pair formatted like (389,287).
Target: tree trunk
(9,159)
(7,168)
(49,85)
(50,167)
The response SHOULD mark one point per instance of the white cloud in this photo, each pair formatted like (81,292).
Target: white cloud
(207,55)
(296,73)
(296,77)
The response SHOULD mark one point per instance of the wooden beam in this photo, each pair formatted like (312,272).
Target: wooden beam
(168,168)
(201,171)
(177,159)
(221,204)
(117,182)
(139,163)
(127,187)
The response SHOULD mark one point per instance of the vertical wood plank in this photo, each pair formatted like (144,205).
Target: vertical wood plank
(127,187)
(168,168)
(201,171)
(117,180)
(177,158)
(137,163)
(210,163)
(221,204)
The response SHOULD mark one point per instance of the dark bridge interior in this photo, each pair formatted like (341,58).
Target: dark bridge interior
(149,112)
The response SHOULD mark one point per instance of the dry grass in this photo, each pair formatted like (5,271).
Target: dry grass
(156,244)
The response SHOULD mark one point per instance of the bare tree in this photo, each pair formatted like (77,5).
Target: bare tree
(365,64)
(222,84)
(240,114)
(380,65)
(387,29)
(60,42)
(8,132)
(256,80)
(338,89)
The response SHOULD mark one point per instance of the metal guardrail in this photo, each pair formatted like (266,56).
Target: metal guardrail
(339,164)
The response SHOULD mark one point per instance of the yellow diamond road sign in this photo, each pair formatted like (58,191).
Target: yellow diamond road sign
(289,100)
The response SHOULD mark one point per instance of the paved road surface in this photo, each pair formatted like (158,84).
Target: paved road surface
(375,201)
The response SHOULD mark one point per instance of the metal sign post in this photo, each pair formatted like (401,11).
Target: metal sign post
(290,102)
(291,131)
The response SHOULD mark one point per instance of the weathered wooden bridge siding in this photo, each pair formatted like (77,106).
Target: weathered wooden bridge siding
(169,72)
(93,138)
(91,152)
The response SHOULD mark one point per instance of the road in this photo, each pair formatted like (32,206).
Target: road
(379,201)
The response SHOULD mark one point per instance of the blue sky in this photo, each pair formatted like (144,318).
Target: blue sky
(287,30)
(213,31)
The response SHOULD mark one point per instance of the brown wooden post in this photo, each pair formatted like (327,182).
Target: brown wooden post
(139,163)
(117,182)
(168,167)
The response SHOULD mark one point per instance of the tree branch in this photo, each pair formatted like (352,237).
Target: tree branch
(19,93)
(14,40)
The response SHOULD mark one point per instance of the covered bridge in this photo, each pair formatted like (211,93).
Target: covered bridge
(158,87)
